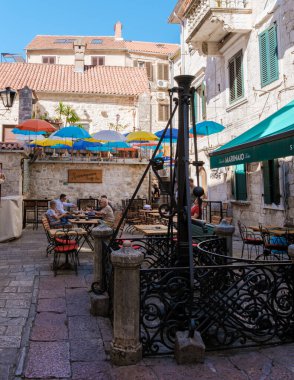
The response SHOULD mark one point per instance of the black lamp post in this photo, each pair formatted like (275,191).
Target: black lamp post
(8,96)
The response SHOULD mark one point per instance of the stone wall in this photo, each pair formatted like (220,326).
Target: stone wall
(49,180)
(12,169)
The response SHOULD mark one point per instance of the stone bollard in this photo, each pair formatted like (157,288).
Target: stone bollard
(99,302)
(291,252)
(126,348)
(189,350)
(226,230)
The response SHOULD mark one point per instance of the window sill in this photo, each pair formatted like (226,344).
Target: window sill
(273,207)
(237,104)
(240,203)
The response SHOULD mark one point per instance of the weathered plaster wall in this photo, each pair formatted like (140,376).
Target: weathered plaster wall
(12,169)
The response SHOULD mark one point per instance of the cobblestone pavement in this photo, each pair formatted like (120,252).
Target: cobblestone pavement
(46,330)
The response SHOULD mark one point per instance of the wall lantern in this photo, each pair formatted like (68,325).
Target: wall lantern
(8,96)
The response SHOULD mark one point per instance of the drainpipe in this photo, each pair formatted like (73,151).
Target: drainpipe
(183,63)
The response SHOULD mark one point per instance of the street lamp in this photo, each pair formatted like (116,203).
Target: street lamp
(7,96)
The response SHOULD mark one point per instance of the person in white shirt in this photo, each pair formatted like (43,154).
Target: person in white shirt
(61,203)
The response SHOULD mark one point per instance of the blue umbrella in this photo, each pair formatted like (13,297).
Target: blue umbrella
(167,134)
(59,146)
(81,144)
(99,149)
(73,132)
(118,145)
(27,133)
(207,128)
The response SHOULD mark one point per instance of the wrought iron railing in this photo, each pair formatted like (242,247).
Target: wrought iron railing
(231,305)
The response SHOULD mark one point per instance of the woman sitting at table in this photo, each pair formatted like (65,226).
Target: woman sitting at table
(195,210)
(55,218)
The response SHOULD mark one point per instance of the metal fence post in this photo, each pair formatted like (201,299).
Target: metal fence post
(126,348)
(99,303)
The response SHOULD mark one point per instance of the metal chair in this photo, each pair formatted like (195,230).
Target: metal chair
(273,244)
(250,240)
(66,244)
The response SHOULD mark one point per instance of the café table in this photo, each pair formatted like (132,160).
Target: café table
(274,230)
(88,225)
(81,234)
(153,229)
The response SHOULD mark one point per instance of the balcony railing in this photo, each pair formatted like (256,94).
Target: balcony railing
(201,7)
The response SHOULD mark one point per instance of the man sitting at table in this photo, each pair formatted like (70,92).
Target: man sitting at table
(55,218)
(106,212)
(60,204)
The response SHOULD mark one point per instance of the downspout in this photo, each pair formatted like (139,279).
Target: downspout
(183,63)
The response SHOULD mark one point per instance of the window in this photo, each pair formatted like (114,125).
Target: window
(7,134)
(162,71)
(50,60)
(98,61)
(200,103)
(96,41)
(163,112)
(64,41)
(239,183)
(269,62)
(271,182)
(148,66)
(236,80)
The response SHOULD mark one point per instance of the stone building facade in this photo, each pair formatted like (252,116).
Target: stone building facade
(215,35)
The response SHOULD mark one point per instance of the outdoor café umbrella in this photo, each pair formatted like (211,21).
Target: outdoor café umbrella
(141,136)
(207,128)
(73,132)
(20,137)
(36,125)
(167,134)
(50,142)
(83,144)
(109,135)
(23,132)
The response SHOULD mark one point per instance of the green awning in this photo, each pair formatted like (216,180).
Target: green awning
(269,139)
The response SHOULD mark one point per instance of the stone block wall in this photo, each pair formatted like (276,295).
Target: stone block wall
(12,169)
(49,180)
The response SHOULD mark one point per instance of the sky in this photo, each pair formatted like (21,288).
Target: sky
(143,20)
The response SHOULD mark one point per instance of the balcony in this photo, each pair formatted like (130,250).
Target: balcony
(210,21)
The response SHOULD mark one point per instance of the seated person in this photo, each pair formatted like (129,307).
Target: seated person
(109,203)
(106,213)
(90,211)
(55,218)
(61,203)
(195,210)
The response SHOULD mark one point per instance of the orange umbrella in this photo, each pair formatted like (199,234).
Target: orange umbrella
(36,125)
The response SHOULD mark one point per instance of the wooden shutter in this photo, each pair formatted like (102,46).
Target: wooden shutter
(148,66)
(240,183)
(45,60)
(267,199)
(236,81)
(163,112)
(160,112)
(135,63)
(162,71)
(269,61)
(196,105)
(276,196)
(203,100)
(101,61)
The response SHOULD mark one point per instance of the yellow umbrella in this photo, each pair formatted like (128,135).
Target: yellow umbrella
(141,136)
(51,142)
(92,139)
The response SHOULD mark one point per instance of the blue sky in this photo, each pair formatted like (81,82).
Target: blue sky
(143,20)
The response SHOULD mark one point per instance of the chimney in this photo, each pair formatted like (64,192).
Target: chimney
(117,31)
(79,49)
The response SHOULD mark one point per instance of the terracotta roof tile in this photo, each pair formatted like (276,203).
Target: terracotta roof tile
(10,146)
(105,80)
(107,43)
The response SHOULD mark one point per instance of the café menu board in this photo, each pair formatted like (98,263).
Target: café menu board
(84,176)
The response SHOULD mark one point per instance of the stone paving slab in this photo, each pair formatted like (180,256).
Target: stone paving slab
(47,320)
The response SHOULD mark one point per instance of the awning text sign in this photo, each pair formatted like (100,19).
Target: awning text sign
(84,176)
(262,152)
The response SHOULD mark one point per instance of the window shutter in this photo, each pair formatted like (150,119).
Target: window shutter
(45,59)
(269,61)
(266,183)
(165,72)
(276,182)
(239,77)
(240,183)
(273,53)
(101,61)
(149,70)
(160,112)
(196,106)
(203,100)
(232,80)
(159,71)
(135,63)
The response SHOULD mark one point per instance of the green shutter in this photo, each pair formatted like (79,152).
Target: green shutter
(269,61)
(276,182)
(236,80)
(196,106)
(240,183)
(203,101)
(267,199)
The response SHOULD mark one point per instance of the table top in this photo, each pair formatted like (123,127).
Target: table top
(153,229)
(274,230)
(85,221)
(59,232)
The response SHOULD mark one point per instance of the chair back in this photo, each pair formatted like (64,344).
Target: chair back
(242,230)
(45,223)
